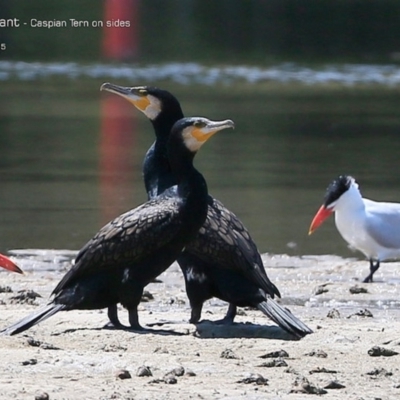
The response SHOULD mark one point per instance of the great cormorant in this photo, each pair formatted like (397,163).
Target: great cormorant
(136,247)
(223,260)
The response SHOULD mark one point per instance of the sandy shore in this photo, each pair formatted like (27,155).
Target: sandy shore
(71,356)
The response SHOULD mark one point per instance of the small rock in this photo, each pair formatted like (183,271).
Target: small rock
(110,347)
(279,362)
(258,379)
(42,396)
(170,379)
(334,385)
(5,289)
(34,343)
(178,371)
(302,385)
(158,380)
(146,296)
(291,370)
(37,343)
(362,313)
(334,314)
(317,353)
(144,371)
(189,372)
(379,372)
(161,350)
(241,312)
(320,290)
(32,361)
(228,354)
(378,351)
(25,297)
(357,290)
(123,374)
(319,370)
(275,354)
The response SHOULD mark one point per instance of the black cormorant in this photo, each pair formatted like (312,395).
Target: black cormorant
(223,260)
(136,247)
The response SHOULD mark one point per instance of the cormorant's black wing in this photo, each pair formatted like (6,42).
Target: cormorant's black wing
(224,241)
(128,239)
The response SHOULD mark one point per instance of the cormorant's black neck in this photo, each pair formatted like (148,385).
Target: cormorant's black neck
(192,187)
(157,172)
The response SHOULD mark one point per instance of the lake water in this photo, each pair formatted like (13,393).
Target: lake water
(71,155)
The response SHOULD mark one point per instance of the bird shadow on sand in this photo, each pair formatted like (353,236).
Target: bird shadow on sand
(145,331)
(207,330)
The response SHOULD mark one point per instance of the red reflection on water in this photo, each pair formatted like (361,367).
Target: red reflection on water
(120,29)
(117,174)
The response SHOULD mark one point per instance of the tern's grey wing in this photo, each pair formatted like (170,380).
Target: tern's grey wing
(383,223)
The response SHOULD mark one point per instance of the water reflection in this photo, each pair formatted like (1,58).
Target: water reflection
(71,160)
(194,73)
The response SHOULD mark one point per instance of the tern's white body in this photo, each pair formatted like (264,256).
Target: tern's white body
(369,226)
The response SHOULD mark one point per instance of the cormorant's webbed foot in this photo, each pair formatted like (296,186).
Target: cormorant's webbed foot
(114,322)
(195,314)
(229,317)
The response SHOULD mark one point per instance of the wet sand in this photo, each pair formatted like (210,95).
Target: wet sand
(71,355)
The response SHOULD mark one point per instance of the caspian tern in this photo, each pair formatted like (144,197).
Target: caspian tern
(369,226)
(6,263)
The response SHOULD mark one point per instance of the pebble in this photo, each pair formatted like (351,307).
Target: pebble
(303,385)
(378,351)
(334,314)
(32,361)
(379,372)
(144,371)
(170,379)
(279,362)
(228,354)
(357,290)
(258,379)
(317,353)
(146,296)
(43,345)
(334,385)
(276,354)
(178,371)
(123,374)
(320,289)
(42,396)
(319,370)
(362,313)
(25,297)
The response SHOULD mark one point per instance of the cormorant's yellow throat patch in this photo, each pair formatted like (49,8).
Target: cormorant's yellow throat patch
(199,135)
(141,104)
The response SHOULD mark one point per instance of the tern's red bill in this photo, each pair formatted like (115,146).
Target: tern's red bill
(6,263)
(321,215)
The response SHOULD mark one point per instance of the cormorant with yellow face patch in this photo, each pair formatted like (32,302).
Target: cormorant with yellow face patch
(133,249)
(223,260)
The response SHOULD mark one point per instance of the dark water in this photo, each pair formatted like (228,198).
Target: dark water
(71,155)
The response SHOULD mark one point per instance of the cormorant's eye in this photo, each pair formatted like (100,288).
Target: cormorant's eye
(199,124)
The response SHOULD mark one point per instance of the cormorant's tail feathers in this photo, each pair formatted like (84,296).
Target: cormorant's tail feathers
(33,319)
(284,318)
